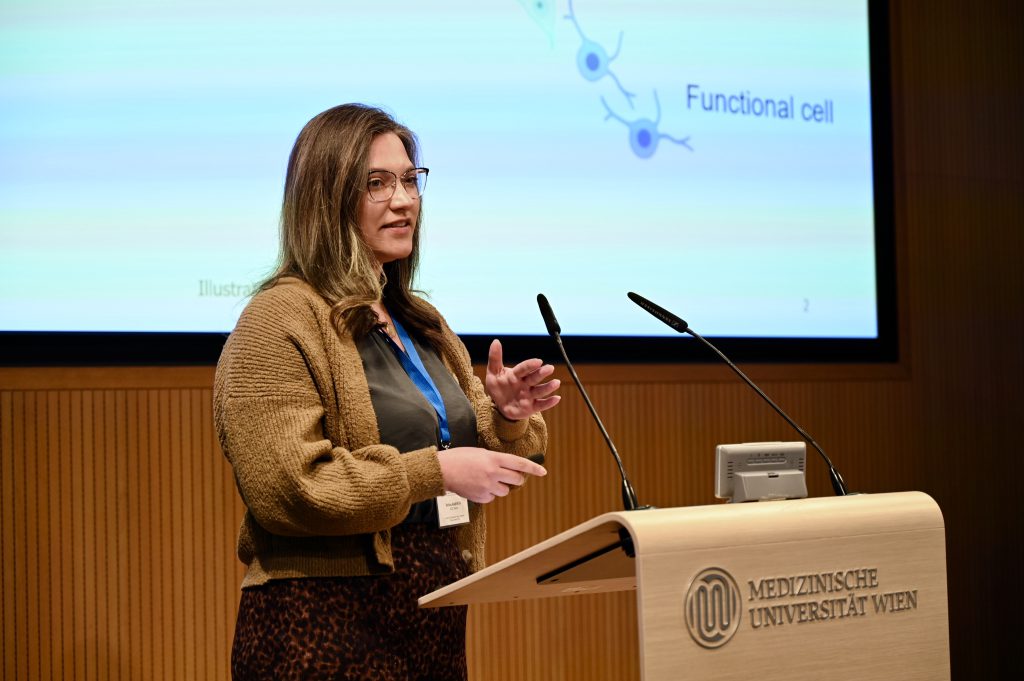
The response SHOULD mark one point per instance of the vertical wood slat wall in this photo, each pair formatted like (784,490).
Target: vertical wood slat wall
(117,520)
(118,514)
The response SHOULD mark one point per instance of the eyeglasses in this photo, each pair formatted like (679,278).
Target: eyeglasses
(381,184)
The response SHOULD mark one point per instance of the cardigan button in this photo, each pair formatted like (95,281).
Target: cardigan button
(467,555)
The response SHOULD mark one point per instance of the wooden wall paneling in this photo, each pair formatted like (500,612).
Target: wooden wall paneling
(110,501)
(181,540)
(582,637)
(71,487)
(193,455)
(110,569)
(107,529)
(61,483)
(180,519)
(173,520)
(145,551)
(147,505)
(43,515)
(14,536)
(197,483)
(37,516)
(148,442)
(152,504)
(29,559)
(131,612)
(8,576)
(92,534)
(123,555)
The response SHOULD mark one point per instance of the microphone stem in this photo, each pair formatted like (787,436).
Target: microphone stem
(838,484)
(628,495)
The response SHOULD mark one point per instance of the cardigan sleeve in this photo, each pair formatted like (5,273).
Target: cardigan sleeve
(269,413)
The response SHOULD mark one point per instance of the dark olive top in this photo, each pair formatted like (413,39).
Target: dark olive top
(405,418)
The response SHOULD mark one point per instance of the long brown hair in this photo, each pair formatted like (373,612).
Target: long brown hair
(321,242)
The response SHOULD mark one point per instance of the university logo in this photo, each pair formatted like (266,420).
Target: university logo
(713,608)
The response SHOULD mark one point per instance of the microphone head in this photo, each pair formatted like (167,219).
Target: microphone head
(549,316)
(661,313)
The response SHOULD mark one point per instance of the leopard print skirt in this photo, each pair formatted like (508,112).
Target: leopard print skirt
(358,627)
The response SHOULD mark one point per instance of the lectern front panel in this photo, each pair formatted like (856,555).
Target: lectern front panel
(864,603)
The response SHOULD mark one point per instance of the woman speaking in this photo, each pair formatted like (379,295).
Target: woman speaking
(362,443)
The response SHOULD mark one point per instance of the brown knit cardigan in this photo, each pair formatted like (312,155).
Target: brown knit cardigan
(293,413)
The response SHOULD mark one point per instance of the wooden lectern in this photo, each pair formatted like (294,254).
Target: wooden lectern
(839,588)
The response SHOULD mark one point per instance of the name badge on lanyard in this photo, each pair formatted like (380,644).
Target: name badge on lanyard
(451,508)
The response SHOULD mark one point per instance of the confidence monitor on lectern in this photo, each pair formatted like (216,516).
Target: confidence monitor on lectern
(761,471)
(730,160)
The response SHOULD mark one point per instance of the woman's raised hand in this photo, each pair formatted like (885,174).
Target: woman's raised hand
(480,475)
(518,392)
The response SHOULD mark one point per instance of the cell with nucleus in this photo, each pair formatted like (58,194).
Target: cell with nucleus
(643,132)
(592,59)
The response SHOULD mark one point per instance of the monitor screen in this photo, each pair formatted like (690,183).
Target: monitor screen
(727,160)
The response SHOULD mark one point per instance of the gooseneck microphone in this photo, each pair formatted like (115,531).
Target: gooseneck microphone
(838,485)
(555,331)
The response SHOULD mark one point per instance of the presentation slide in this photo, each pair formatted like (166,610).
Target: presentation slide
(715,157)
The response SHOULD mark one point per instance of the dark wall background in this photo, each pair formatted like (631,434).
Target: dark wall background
(957,78)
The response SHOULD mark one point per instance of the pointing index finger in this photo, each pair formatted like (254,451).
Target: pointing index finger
(524,465)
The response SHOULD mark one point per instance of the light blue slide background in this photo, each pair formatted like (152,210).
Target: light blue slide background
(143,147)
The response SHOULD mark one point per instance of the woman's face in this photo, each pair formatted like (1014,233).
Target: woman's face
(387,226)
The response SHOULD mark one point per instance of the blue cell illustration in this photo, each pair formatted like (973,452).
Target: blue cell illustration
(593,61)
(643,132)
(543,12)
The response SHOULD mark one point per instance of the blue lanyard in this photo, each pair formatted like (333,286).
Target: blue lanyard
(413,366)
